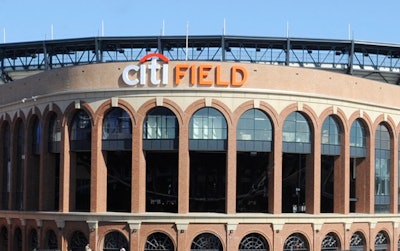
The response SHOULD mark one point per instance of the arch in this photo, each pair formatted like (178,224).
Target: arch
(17,240)
(254,126)
(117,130)
(263,106)
(114,241)
(305,110)
(381,241)
(338,114)
(4,238)
(77,241)
(206,241)
(331,242)
(357,241)
(106,106)
(51,241)
(296,241)
(252,242)
(33,241)
(167,103)
(216,104)
(159,241)
(18,169)
(297,133)
(6,164)
(383,162)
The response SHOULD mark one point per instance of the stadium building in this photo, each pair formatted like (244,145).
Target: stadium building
(199,143)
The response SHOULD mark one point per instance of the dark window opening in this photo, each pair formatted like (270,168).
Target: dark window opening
(252,182)
(327,183)
(161,182)
(80,177)
(293,183)
(119,179)
(207,182)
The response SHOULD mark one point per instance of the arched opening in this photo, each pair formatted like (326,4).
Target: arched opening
(296,242)
(115,241)
(51,177)
(358,153)
(330,161)
(207,149)
(296,160)
(160,146)
(33,242)
(382,169)
(254,145)
(77,242)
(381,241)
(51,241)
(17,241)
(206,241)
(330,242)
(159,241)
(4,238)
(357,241)
(33,164)
(6,167)
(80,161)
(117,150)
(18,170)
(253,242)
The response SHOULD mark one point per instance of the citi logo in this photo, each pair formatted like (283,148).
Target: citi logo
(144,69)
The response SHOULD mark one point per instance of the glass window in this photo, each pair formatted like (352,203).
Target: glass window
(296,242)
(117,125)
(254,125)
(382,138)
(54,129)
(330,132)
(382,169)
(207,123)
(160,123)
(37,135)
(81,126)
(296,129)
(357,134)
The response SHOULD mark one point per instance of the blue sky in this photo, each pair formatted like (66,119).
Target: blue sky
(32,20)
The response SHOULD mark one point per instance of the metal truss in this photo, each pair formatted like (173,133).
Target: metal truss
(377,61)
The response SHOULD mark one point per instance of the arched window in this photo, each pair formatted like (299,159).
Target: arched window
(6,167)
(77,242)
(17,243)
(252,242)
(160,130)
(296,242)
(296,134)
(207,130)
(19,170)
(33,240)
(206,241)
(117,130)
(159,241)
(4,238)
(330,137)
(51,238)
(358,139)
(254,131)
(330,242)
(54,134)
(36,136)
(357,241)
(81,131)
(114,241)
(381,241)
(382,169)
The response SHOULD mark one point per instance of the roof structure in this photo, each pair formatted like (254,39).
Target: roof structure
(376,61)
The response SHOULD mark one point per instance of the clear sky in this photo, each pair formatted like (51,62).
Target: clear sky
(32,20)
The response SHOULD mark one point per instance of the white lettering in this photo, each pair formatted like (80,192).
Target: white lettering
(125,75)
(158,73)
(153,66)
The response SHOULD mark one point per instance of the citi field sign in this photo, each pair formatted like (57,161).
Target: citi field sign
(156,73)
